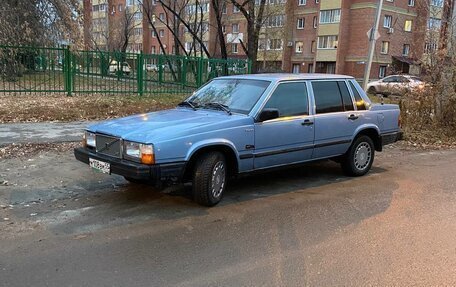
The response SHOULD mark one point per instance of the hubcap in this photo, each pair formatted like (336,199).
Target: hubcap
(218,179)
(363,155)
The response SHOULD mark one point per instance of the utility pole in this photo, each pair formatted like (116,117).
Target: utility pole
(372,39)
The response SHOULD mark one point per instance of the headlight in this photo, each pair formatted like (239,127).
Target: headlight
(142,152)
(88,139)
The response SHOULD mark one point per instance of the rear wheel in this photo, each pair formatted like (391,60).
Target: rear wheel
(209,179)
(372,91)
(359,158)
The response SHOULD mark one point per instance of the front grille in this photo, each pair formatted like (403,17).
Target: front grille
(107,145)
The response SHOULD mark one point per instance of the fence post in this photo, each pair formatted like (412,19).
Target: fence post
(140,73)
(67,71)
(249,66)
(160,69)
(199,72)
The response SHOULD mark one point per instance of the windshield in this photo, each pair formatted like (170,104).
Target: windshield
(238,95)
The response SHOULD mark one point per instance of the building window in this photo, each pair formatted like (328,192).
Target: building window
(385,47)
(302,2)
(154,2)
(119,8)
(153,34)
(317,1)
(224,8)
(301,22)
(152,50)
(411,3)
(234,48)
(438,3)
(137,31)
(275,44)
(408,26)
(313,46)
(434,23)
(382,72)
(310,68)
(188,46)
(130,2)
(261,44)
(389,0)
(296,68)
(299,47)
(235,9)
(315,22)
(430,48)
(235,28)
(275,20)
(223,29)
(161,16)
(330,16)
(388,21)
(406,50)
(161,33)
(327,42)
(137,15)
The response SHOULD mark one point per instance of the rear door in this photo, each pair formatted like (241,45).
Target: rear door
(289,138)
(335,118)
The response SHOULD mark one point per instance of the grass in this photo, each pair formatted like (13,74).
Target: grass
(38,108)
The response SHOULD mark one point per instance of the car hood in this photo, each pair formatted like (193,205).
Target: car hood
(168,124)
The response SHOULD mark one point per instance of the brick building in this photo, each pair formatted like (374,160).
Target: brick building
(300,36)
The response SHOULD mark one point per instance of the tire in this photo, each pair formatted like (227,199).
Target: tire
(209,179)
(359,158)
(372,91)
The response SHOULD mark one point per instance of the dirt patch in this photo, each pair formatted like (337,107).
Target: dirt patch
(32,149)
(39,108)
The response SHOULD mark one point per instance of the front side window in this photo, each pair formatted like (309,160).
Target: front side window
(290,99)
(239,95)
(331,96)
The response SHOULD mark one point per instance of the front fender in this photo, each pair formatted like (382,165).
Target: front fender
(211,142)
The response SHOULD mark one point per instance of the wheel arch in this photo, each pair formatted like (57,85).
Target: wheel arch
(227,149)
(371,132)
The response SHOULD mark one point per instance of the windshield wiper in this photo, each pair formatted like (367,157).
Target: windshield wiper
(218,106)
(188,104)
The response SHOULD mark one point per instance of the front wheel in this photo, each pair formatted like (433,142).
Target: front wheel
(209,179)
(359,158)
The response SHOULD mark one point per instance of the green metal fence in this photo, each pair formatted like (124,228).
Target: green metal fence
(61,70)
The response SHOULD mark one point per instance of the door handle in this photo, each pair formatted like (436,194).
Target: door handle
(353,117)
(307,122)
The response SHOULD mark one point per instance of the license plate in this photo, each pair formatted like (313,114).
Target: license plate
(100,166)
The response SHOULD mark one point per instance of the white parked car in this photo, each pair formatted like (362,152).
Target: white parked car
(115,66)
(395,85)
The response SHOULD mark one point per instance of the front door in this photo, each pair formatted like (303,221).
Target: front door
(289,138)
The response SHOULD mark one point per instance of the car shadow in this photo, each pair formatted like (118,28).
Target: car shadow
(115,202)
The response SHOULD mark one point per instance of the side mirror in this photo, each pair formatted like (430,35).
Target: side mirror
(268,114)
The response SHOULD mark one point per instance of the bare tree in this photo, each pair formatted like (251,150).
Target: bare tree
(254,14)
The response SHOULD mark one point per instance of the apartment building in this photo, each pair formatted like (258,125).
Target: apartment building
(299,36)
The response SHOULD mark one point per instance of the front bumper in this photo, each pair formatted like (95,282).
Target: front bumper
(390,138)
(157,173)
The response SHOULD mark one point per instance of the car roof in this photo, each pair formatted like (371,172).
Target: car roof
(275,77)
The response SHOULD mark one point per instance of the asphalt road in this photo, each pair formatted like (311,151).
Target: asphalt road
(63,225)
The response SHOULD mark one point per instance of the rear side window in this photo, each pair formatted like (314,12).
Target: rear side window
(290,99)
(328,98)
(360,104)
(346,98)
